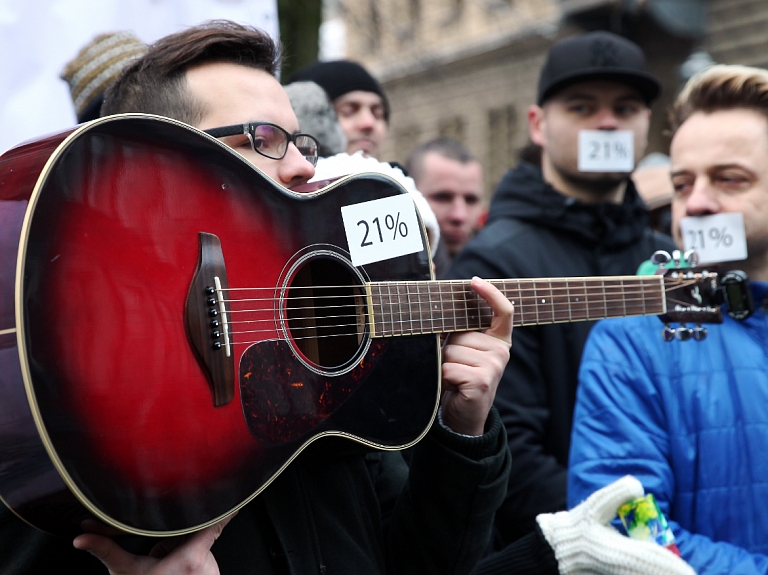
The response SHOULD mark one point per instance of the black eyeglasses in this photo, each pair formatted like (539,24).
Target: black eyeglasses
(270,140)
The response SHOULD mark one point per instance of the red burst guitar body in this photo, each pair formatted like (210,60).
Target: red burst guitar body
(175,327)
(108,407)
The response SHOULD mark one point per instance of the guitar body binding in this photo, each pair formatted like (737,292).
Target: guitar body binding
(124,418)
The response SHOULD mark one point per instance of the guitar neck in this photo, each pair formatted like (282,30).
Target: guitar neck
(424,307)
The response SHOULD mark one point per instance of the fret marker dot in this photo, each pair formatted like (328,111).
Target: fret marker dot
(543,301)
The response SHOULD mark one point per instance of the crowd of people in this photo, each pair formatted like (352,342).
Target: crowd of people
(542,433)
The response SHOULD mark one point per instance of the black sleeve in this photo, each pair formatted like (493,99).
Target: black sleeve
(538,479)
(26,551)
(530,555)
(442,520)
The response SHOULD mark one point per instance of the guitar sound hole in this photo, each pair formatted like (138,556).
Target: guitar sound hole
(326,313)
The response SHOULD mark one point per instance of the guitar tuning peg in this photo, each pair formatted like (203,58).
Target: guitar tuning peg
(668,332)
(683,333)
(699,333)
(676,257)
(692,257)
(661,258)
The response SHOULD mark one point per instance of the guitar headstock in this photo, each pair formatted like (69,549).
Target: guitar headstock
(693,295)
(697,295)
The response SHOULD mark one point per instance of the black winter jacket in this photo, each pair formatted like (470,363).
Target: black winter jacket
(337,509)
(534,231)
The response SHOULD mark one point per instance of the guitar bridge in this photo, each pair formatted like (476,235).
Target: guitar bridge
(207,322)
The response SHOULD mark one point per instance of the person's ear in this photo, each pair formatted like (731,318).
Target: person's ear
(536,121)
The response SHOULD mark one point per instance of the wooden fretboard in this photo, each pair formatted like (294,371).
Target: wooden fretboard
(421,307)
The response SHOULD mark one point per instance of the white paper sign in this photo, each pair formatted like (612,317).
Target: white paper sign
(382,229)
(606,151)
(718,238)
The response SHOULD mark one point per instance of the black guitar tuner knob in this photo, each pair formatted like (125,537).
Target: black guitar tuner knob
(668,333)
(699,333)
(683,333)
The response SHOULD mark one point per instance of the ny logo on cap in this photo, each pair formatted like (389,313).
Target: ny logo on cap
(604,53)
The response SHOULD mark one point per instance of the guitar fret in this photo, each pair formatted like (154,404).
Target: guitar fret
(408,294)
(621,295)
(552,301)
(400,296)
(375,300)
(595,303)
(611,308)
(560,305)
(448,285)
(464,290)
(449,318)
(604,302)
(433,305)
(417,309)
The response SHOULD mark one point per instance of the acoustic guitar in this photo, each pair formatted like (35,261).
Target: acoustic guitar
(175,327)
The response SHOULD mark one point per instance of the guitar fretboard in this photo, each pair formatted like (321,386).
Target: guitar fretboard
(423,307)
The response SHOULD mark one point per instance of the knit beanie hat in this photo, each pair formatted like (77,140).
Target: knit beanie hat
(340,77)
(317,117)
(96,67)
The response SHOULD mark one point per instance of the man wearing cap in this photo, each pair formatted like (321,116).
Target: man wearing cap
(553,218)
(360,103)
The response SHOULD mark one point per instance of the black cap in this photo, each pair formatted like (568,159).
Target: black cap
(596,56)
(339,77)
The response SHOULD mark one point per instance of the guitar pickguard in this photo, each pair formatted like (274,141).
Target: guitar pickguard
(283,401)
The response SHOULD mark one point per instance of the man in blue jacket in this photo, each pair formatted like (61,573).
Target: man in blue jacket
(690,419)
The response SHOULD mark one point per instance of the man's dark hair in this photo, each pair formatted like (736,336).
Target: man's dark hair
(156,83)
(446,147)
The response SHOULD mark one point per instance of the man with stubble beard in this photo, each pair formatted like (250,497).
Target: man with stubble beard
(554,218)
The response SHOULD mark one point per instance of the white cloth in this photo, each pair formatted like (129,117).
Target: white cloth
(584,541)
(345,164)
(38,37)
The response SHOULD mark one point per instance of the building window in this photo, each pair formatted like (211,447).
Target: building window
(406,17)
(406,139)
(502,135)
(451,128)
(374,37)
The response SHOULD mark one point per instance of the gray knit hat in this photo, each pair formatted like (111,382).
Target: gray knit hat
(317,117)
(96,67)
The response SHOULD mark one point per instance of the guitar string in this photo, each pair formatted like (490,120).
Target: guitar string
(616,294)
(456,304)
(435,284)
(482,316)
(524,293)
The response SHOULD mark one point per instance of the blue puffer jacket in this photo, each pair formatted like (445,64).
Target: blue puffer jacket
(690,420)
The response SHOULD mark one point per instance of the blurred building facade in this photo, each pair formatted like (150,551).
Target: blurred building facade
(468,69)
